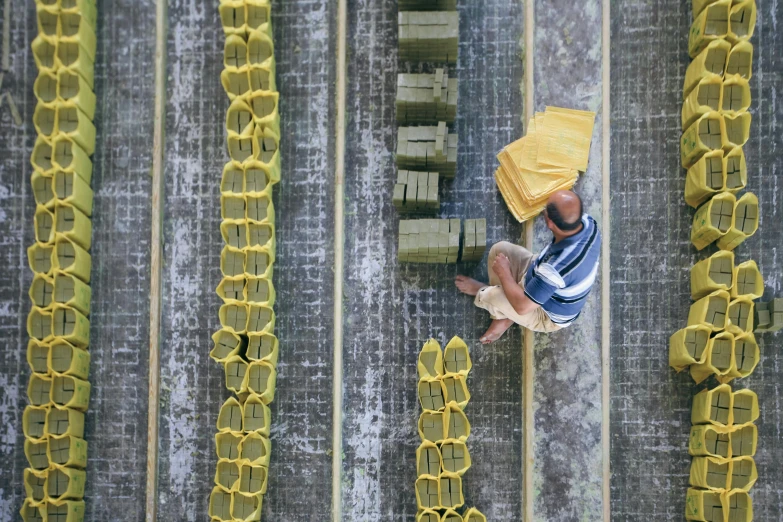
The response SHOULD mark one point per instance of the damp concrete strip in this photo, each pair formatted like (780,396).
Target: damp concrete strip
(568,394)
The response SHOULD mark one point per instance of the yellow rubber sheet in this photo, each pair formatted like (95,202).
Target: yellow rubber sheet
(565,138)
(525,178)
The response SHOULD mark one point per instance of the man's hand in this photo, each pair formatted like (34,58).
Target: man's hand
(502,266)
(521,303)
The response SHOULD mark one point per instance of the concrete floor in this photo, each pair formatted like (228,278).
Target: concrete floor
(389,309)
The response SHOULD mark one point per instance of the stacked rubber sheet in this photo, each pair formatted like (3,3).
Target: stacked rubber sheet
(547,159)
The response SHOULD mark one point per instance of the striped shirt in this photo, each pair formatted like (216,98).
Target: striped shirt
(561,277)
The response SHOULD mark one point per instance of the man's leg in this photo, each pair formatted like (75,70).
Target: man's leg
(494,300)
(519,257)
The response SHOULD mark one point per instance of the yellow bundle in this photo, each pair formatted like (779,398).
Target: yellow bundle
(547,159)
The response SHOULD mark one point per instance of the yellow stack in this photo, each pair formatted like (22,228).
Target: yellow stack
(443,458)
(722,443)
(58,323)
(718,341)
(548,158)
(246,345)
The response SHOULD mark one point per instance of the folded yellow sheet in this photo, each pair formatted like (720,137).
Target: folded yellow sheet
(547,159)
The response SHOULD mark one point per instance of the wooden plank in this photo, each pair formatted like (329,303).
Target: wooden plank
(568,450)
(5,60)
(391,309)
(339,265)
(156,260)
(606,326)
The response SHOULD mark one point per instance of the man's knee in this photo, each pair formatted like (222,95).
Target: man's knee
(500,246)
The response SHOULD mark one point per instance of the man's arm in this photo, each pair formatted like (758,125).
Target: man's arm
(521,303)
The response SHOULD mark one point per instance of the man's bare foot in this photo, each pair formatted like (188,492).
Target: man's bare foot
(468,285)
(496,330)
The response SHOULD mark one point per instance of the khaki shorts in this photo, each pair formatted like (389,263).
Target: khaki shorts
(493,299)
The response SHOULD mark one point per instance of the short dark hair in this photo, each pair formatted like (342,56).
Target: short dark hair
(553,213)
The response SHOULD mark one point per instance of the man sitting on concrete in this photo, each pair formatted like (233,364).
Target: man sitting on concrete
(544,293)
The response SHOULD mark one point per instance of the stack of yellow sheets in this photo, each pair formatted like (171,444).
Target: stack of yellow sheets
(547,159)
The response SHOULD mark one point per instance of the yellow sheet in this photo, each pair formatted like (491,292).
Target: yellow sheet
(525,178)
(521,207)
(565,138)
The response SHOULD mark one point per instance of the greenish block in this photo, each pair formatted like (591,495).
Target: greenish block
(433,201)
(443,243)
(411,191)
(428,241)
(398,197)
(763,318)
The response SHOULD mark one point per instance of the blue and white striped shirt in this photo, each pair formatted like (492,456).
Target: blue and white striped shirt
(561,277)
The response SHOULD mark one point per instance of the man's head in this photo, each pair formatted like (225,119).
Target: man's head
(563,213)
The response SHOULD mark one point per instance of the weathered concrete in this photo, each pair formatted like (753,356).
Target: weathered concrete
(764,153)
(567,385)
(651,251)
(16,234)
(192,385)
(652,256)
(116,419)
(391,309)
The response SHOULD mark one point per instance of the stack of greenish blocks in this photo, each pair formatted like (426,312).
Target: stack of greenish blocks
(416,192)
(475,243)
(769,315)
(426,98)
(427,148)
(428,36)
(427,5)
(429,241)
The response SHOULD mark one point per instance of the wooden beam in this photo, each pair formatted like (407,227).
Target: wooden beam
(606,111)
(156,262)
(339,250)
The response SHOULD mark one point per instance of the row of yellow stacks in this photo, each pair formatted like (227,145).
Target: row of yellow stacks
(58,324)
(246,345)
(443,457)
(548,158)
(719,340)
